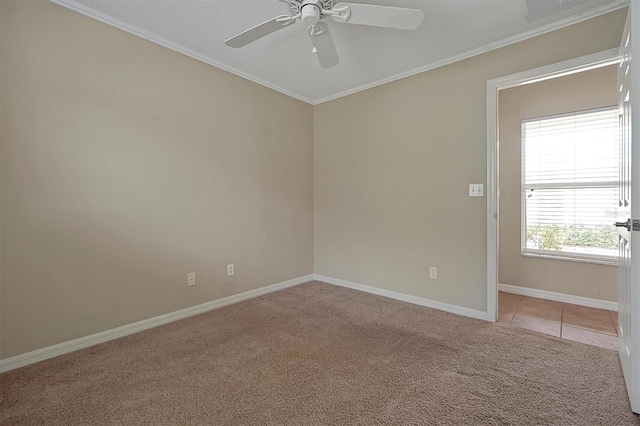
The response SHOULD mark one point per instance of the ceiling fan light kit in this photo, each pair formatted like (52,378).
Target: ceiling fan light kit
(311,12)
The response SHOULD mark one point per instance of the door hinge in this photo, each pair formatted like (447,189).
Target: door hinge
(636,224)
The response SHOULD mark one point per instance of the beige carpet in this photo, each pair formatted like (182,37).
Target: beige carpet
(318,354)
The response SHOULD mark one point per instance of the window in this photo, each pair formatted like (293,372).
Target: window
(570,186)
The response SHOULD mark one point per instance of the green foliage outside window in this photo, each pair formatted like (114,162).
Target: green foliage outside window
(555,237)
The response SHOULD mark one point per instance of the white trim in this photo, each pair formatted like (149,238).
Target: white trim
(571,20)
(125,330)
(559,69)
(559,297)
(109,20)
(454,309)
(492,202)
(631,308)
(582,258)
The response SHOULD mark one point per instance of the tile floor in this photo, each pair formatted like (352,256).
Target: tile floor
(572,322)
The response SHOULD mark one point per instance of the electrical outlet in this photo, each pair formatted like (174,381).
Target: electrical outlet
(191,279)
(433,273)
(231,270)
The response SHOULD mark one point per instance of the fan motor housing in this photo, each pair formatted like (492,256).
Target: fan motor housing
(326,5)
(310,12)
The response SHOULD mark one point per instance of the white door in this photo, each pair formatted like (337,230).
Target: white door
(629,208)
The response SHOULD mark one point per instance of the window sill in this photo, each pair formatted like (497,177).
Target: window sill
(613,262)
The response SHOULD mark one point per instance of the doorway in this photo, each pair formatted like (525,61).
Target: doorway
(558,180)
(585,63)
(629,267)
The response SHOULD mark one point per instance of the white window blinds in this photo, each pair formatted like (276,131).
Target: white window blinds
(570,185)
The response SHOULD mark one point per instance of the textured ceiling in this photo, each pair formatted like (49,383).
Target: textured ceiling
(452,30)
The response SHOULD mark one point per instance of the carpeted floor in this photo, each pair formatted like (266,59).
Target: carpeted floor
(317,354)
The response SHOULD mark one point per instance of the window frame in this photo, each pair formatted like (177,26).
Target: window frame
(557,254)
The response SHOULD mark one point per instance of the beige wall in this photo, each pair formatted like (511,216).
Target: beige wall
(392,167)
(587,90)
(125,166)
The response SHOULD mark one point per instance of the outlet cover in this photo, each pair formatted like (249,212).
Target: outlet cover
(433,273)
(231,270)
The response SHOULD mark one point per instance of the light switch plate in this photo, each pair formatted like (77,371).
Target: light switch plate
(476,190)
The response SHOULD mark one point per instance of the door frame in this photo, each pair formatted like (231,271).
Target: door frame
(571,66)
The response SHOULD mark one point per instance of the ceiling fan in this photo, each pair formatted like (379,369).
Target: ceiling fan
(311,12)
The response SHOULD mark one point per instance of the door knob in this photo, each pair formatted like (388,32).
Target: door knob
(626,224)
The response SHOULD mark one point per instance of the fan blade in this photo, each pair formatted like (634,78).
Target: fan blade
(378,16)
(323,45)
(260,31)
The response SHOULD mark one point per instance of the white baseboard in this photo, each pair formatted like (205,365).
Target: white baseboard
(559,297)
(125,330)
(454,309)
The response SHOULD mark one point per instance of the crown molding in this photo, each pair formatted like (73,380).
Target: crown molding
(566,22)
(132,29)
(571,20)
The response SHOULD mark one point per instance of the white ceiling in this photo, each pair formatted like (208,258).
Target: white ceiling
(369,56)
